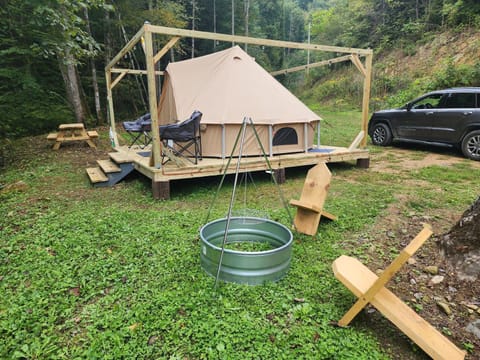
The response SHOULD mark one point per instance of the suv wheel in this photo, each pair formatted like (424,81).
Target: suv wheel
(471,145)
(381,135)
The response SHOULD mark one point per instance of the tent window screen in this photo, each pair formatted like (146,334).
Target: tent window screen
(285,136)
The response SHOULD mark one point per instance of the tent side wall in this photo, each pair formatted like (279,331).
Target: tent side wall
(219,140)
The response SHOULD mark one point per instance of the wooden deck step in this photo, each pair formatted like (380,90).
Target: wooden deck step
(96,175)
(120,157)
(108,166)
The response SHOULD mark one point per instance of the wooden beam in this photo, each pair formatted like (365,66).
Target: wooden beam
(165,49)
(111,112)
(254,41)
(133,71)
(118,78)
(356,61)
(312,65)
(356,141)
(133,41)
(366,96)
(152,98)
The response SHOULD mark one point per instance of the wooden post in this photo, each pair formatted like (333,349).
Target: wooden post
(152,97)
(366,95)
(108,78)
(279,175)
(161,190)
(363,163)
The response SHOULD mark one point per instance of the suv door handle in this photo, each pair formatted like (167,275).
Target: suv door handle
(466,113)
(429,113)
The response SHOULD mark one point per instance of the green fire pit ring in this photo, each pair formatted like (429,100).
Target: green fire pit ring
(246,267)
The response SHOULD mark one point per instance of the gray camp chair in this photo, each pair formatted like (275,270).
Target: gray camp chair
(184,138)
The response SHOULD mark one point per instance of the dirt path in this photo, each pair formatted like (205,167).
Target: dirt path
(414,283)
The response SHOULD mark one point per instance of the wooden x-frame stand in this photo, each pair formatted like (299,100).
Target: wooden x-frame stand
(371,289)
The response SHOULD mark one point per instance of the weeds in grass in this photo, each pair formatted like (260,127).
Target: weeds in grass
(111,273)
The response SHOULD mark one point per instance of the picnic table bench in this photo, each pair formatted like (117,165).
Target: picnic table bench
(72,132)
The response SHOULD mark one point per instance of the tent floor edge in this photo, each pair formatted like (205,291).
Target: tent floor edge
(161,190)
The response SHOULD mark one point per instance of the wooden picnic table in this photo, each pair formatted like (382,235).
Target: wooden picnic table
(72,132)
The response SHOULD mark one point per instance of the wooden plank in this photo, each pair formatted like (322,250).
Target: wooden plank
(305,205)
(312,65)
(329,216)
(108,166)
(92,134)
(215,166)
(358,279)
(120,157)
(249,40)
(72,126)
(366,96)
(387,274)
(356,61)
(96,175)
(63,138)
(133,41)
(356,141)
(52,136)
(118,78)
(165,49)
(134,71)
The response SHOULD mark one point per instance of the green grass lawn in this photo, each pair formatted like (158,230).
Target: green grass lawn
(110,273)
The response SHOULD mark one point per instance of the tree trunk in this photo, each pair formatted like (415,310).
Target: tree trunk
(73,87)
(96,92)
(461,245)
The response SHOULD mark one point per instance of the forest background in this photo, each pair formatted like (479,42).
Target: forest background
(53,52)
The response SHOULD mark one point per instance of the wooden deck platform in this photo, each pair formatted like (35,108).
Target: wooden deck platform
(216,166)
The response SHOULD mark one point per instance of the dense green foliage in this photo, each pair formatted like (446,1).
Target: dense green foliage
(39,37)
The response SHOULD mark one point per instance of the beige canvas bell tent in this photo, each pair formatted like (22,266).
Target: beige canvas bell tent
(228,86)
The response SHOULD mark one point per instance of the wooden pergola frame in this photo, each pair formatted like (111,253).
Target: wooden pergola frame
(146,34)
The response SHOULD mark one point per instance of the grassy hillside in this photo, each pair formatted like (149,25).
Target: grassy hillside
(436,61)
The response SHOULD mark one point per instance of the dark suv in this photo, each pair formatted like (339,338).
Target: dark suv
(446,117)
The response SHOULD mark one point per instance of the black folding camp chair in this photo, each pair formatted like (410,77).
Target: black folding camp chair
(184,138)
(139,130)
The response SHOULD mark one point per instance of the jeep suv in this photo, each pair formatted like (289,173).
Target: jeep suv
(448,117)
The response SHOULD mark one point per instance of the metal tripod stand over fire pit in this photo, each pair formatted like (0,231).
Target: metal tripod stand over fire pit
(245,249)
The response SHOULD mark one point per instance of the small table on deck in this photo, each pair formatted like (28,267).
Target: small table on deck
(72,132)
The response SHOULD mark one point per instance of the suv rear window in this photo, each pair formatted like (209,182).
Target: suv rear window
(459,101)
